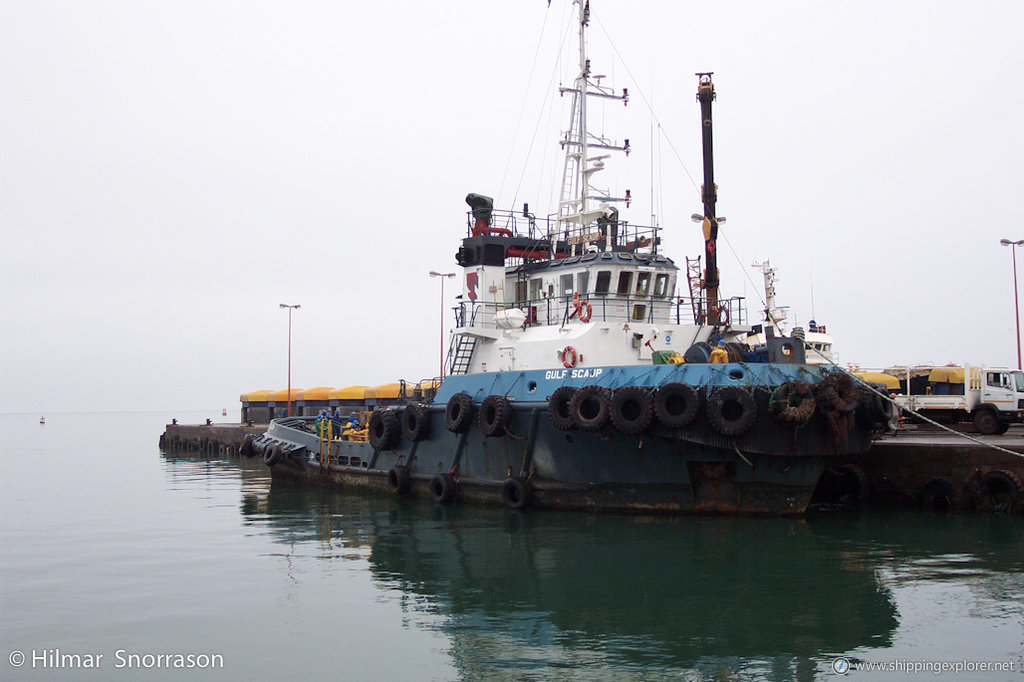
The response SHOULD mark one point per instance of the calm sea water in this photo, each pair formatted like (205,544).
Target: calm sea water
(111,548)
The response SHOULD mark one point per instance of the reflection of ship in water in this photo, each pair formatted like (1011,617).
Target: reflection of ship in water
(514,591)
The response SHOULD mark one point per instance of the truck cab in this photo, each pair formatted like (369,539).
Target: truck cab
(1001,401)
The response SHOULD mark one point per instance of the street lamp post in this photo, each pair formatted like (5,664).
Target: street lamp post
(1016,306)
(443,276)
(290,309)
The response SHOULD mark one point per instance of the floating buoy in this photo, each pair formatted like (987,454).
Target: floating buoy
(42,420)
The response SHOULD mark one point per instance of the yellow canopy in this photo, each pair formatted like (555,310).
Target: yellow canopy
(316,393)
(254,396)
(947,375)
(888,380)
(282,395)
(384,391)
(348,393)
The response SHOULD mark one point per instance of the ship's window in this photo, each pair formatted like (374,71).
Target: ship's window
(582,282)
(625,256)
(520,290)
(661,285)
(639,312)
(565,285)
(643,283)
(604,280)
(606,256)
(536,286)
(625,277)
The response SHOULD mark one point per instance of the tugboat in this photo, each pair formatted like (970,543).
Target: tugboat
(578,379)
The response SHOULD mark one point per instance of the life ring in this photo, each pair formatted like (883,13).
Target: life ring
(398,479)
(272,455)
(516,493)
(415,422)
(731,410)
(458,413)
(495,413)
(676,404)
(581,308)
(385,430)
(568,356)
(589,408)
(631,409)
(442,489)
(559,411)
(723,317)
(793,403)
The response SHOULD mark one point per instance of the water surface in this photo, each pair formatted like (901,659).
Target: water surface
(110,546)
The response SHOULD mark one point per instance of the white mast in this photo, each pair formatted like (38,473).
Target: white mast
(776,315)
(573,206)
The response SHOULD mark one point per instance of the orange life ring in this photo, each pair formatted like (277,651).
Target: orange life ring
(569,356)
(586,310)
(723,317)
(581,308)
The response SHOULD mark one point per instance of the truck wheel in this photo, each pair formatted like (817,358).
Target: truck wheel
(986,422)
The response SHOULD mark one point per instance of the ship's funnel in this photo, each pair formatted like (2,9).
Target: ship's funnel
(481,207)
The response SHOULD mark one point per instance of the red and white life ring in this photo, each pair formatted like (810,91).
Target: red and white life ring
(723,317)
(581,308)
(568,356)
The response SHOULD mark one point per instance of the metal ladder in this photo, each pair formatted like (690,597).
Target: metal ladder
(460,354)
(693,277)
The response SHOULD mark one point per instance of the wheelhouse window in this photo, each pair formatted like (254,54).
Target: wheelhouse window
(582,282)
(625,278)
(661,285)
(643,283)
(536,287)
(604,282)
(565,285)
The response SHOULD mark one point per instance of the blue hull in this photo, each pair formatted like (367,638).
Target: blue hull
(771,468)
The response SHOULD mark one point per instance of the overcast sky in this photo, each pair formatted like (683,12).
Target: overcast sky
(171,171)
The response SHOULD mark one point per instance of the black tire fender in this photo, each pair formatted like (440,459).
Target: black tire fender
(516,493)
(415,422)
(559,408)
(442,489)
(272,455)
(495,414)
(731,410)
(632,409)
(1000,491)
(458,413)
(246,448)
(938,494)
(589,408)
(677,404)
(399,480)
(385,430)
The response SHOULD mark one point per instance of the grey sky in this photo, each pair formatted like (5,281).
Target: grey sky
(172,171)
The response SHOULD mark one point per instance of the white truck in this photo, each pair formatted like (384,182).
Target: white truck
(991,397)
